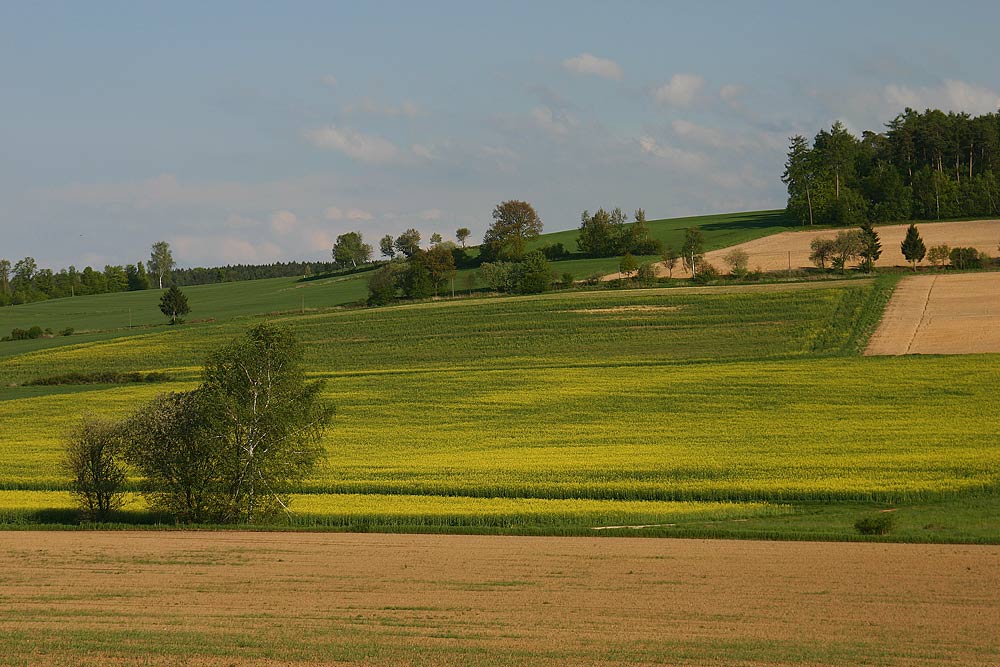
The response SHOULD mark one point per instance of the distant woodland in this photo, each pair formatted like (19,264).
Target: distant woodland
(924,166)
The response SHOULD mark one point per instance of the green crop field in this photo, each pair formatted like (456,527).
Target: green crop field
(103,316)
(718,411)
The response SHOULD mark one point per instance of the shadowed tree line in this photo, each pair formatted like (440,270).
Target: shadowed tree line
(923,166)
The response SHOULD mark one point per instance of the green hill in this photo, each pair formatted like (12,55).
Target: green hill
(741,411)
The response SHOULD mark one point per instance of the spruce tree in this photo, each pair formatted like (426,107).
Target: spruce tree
(871,246)
(913,246)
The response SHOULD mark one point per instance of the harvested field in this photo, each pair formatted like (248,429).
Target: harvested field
(791,249)
(943,314)
(277,598)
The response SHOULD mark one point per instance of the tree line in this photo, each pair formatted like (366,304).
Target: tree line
(923,166)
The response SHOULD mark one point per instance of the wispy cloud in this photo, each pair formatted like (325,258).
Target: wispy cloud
(371,107)
(369,148)
(680,91)
(556,123)
(586,63)
(951,95)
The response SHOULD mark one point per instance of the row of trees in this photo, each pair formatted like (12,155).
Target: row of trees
(25,282)
(229,451)
(605,234)
(929,165)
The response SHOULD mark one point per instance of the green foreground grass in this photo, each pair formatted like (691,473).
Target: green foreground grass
(739,412)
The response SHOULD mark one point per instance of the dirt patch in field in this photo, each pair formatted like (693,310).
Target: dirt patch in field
(268,599)
(941,314)
(626,309)
(790,250)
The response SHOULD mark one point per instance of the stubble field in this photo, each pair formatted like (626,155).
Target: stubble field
(140,598)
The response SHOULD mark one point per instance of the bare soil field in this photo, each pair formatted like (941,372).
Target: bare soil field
(791,249)
(942,314)
(198,598)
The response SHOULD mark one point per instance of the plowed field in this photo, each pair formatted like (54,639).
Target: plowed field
(942,314)
(271,598)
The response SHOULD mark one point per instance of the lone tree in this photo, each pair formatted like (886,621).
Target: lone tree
(161,261)
(823,250)
(913,246)
(939,254)
(174,304)
(738,261)
(514,224)
(627,266)
(871,246)
(351,249)
(267,418)
(95,463)
(693,250)
(669,258)
(462,234)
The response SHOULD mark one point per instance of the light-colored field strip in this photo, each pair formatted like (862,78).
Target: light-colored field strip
(790,250)
(234,598)
(944,314)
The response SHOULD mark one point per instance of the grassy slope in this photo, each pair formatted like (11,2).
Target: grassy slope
(110,315)
(646,395)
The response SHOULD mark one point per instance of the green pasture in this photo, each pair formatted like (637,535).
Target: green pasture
(750,403)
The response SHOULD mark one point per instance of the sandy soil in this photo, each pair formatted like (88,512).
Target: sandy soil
(270,598)
(941,314)
(791,249)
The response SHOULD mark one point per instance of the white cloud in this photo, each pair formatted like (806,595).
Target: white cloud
(283,222)
(556,123)
(431,214)
(952,95)
(730,93)
(671,154)
(213,250)
(701,134)
(680,91)
(423,151)
(330,80)
(369,148)
(585,63)
(333,213)
(369,106)
(240,222)
(358,214)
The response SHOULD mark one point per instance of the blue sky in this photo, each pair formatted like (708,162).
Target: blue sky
(256,132)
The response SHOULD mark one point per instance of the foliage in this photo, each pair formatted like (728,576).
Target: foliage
(693,250)
(416,281)
(870,248)
(514,224)
(938,255)
(738,262)
(408,242)
(928,165)
(533,275)
(171,443)
(646,274)
(965,258)
(461,234)
(847,246)
(174,304)
(498,276)
(94,462)
(822,250)
(161,262)
(913,246)
(383,284)
(99,377)
(351,249)
(266,419)
(627,266)
(440,262)
(387,247)
(875,524)
(669,258)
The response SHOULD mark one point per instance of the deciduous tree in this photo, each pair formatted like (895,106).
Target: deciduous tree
(161,261)
(515,223)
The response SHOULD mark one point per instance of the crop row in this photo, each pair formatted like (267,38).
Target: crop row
(776,430)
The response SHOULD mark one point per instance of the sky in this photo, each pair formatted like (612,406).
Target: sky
(257,132)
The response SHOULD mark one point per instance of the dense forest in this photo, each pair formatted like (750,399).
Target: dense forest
(24,282)
(924,166)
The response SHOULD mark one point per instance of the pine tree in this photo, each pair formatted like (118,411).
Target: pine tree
(871,246)
(174,304)
(913,246)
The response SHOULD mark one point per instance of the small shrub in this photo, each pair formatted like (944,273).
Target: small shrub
(567,280)
(706,273)
(965,258)
(875,524)
(68,331)
(35,332)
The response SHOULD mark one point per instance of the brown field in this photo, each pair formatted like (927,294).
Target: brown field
(943,314)
(791,249)
(193,598)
